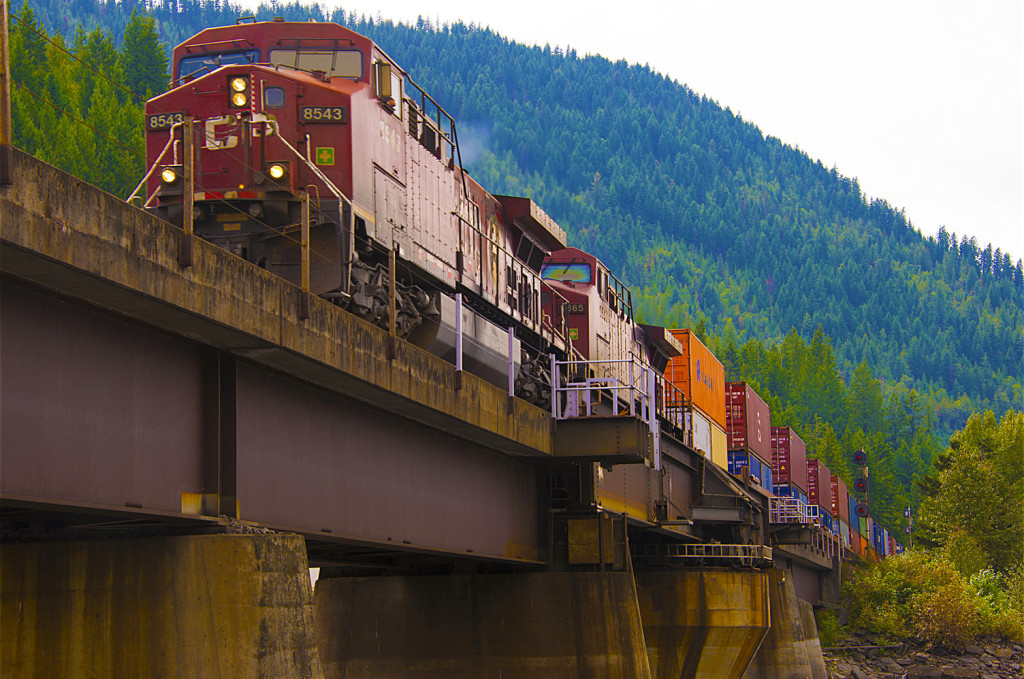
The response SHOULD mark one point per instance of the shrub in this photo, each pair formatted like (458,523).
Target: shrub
(999,613)
(947,614)
(923,595)
(829,630)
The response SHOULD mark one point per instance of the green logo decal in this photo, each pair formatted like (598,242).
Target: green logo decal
(325,155)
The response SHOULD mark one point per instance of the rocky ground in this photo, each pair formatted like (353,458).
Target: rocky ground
(861,658)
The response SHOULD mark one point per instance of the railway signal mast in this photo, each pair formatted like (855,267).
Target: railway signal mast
(909,528)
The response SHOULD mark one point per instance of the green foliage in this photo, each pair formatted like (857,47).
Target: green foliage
(802,385)
(922,595)
(71,105)
(141,57)
(975,507)
(829,629)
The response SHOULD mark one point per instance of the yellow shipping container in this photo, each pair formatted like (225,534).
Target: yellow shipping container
(719,446)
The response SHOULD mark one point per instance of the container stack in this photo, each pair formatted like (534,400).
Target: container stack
(841,509)
(789,463)
(879,539)
(819,490)
(701,378)
(748,431)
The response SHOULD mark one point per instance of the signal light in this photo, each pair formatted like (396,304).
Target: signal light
(861,510)
(860,458)
(861,485)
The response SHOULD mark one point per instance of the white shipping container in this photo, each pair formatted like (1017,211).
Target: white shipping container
(699,428)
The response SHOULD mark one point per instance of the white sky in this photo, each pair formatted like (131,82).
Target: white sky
(920,100)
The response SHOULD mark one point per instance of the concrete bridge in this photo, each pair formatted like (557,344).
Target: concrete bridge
(178,444)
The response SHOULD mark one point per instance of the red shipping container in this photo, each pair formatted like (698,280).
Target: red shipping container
(789,458)
(748,420)
(840,499)
(819,484)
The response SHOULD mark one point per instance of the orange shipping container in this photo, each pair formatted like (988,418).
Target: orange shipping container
(700,376)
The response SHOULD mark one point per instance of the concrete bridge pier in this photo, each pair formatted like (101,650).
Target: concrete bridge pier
(791,650)
(706,623)
(196,606)
(571,625)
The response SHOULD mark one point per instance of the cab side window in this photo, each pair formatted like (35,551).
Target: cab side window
(273,97)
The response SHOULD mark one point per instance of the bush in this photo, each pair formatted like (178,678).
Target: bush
(923,595)
(965,553)
(999,612)
(829,630)
(947,615)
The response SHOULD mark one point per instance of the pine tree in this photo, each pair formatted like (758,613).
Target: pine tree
(141,58)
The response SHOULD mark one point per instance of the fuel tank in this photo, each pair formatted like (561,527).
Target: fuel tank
(485,346)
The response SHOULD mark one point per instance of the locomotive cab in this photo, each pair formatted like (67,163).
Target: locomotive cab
(271,127)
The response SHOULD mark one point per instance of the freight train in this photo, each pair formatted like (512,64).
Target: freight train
(274,118)
(276,129)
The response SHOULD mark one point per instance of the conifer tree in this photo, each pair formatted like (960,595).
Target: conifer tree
(141,58)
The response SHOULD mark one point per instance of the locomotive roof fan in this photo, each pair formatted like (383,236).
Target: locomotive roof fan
(860,458)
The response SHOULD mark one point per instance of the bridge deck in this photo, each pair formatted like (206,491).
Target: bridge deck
(67,236)
(349,458)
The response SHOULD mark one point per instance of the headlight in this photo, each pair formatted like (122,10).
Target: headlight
(277,171)
(170,175)
(238,90)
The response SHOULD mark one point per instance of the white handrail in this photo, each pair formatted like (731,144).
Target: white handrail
(170,141)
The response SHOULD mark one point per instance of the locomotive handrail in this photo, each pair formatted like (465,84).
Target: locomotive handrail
(149,173)
(791,510)
(574,399)
(452,138)
(535,278)
(320,175)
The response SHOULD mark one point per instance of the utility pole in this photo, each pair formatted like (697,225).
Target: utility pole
(6,131)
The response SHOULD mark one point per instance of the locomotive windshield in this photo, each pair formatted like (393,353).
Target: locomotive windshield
(193,67)
(572,272)
(335,63)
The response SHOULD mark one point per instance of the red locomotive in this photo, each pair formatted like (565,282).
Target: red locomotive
(287,117)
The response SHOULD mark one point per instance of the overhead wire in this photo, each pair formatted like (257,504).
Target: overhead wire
(76,119)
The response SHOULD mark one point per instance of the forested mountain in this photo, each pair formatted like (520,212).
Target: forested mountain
(712,224)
